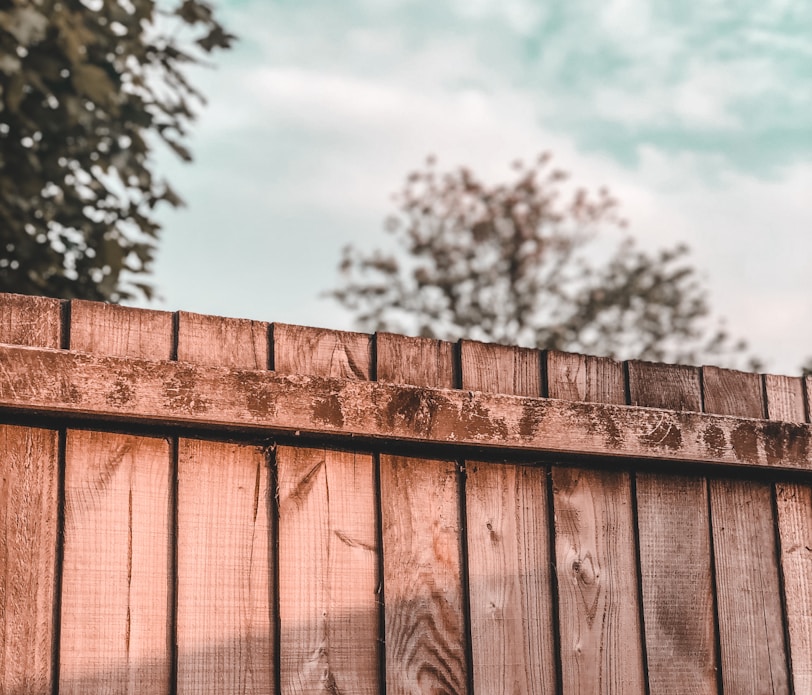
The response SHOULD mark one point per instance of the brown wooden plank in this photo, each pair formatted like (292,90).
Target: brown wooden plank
(28,528)
(224,606)
(224,588)
(115,580)
(328,571)
(28,517)
(116,576)
(34,321)
(785,401)
(177,394)
(328,579)
(110,329)
(221,341)
(601,641)
(751,634)
(322,352)
(512,636)
(675,552)
(573,377)
(424,621)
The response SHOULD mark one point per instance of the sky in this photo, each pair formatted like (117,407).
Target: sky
(697,116)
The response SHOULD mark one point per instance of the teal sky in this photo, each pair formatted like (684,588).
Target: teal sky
(698,116)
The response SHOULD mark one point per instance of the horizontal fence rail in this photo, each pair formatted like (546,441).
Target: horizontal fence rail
(636,528)
(177,393)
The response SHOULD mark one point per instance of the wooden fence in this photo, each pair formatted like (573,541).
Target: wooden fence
(193,504)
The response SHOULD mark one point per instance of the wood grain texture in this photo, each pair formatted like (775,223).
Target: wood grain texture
(321,352)
(785,401)
(28,529)
(115,581)
(225,576)
(222,341)
(110,329)
(512,636)
(751,633)
(224,606)
(28,517)
(421,529)
(573,377)
(327,575)
(34,321)
(675,551)
(601,640)
(597,582)
(175,394)
(328,555)
(116,576)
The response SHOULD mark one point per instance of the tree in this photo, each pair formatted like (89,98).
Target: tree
(87,88)
(521,263)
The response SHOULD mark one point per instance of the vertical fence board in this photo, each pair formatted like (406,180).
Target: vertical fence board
(327,537)
(420,511)
(596,565)
(28,518)
(785,401)
(751,634)
(115,586)
(512,637)
(224,584)
(675,552)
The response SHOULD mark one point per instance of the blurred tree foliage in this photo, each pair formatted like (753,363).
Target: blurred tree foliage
(527,263)
(87,88)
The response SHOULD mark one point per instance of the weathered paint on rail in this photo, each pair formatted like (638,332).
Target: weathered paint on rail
(61,382)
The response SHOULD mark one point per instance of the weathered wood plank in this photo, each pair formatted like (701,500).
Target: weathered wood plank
(176,394)
(328,578)
(512,635)
(785,401)
(113,330)
(601,641)
(751,635)
(28,528)
(675,552)
(223,342)
(28,518)
(115,600)
(321,352)
(420,512)
(224,618)
(115,580)
(225,610)
(34,321)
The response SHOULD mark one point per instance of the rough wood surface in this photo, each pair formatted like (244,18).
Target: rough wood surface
(321,352)
(785,401)
(510,591)
(328,579)
(601,641)
(28,528)
(28,518)
(573,377)
(751,633)
(115,602)
(225,609)
(113,330)
(223,342)
(224,606)
(675,551)
(115,578)
(421,529)
(34,321)
(176,393)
